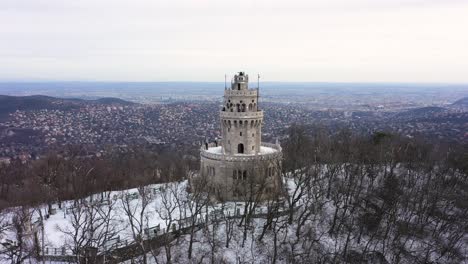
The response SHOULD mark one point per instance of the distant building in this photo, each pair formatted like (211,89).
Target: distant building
(240,166)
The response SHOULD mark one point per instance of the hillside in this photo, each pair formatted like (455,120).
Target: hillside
(10,104)
(461,103)
(421,112)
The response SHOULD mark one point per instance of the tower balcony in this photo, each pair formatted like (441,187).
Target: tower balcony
(234,93)
(234,115)
(268,151)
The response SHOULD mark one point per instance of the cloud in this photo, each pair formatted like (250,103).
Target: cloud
(352,40)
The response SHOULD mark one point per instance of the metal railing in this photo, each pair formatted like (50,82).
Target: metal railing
(249,92)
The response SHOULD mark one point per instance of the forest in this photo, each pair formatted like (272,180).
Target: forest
(347,199)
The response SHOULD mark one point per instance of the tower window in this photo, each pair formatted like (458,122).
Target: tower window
(211,171)
(240,134)
(253,135)
(240,148)
(253,147)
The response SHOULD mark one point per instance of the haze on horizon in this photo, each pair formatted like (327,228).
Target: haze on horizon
(201,40)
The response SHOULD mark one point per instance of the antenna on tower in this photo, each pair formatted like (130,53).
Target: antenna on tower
(225,85)
(258,88)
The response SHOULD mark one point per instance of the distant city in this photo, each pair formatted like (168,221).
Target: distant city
(186,114)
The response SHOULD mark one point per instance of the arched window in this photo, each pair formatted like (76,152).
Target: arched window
(240,148)
(244,175)
(243,107)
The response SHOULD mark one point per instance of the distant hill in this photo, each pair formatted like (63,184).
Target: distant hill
(112,101)
(461,103)
(10,104)
(420,112)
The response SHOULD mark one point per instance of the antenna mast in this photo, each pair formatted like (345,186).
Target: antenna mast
(258,89)
(225,85)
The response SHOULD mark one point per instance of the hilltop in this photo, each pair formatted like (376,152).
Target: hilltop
(10,104)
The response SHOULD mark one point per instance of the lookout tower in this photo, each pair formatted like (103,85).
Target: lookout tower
(241,162)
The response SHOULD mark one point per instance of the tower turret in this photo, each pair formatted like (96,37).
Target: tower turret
(240,82)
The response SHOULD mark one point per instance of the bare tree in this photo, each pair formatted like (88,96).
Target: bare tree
(21,245)
(195,203)
(93,223)
(135,214)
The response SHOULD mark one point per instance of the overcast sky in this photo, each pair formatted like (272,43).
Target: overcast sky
(199,40)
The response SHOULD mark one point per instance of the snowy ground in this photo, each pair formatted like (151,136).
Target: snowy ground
(56,225)
(209,245)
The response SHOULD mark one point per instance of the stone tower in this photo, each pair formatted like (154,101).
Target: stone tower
(241,121)
(240,163)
